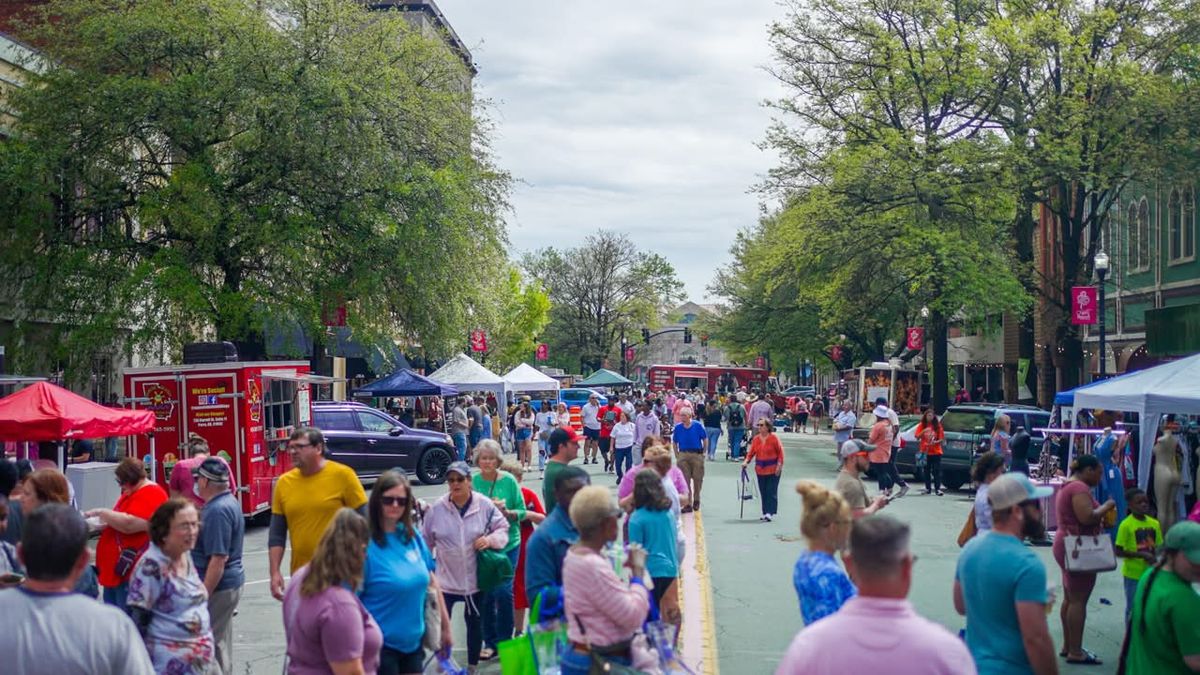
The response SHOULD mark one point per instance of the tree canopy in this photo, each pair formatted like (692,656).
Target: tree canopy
(189,169)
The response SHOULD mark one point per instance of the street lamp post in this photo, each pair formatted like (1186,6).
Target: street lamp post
(1101,266)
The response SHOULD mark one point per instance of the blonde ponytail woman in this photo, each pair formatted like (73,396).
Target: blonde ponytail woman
(821,583)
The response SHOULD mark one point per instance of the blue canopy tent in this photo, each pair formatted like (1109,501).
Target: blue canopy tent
(405,383)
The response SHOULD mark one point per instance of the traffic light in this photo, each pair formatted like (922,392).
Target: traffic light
(687,336)
(646,336)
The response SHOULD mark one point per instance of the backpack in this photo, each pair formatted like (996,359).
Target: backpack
(736,416)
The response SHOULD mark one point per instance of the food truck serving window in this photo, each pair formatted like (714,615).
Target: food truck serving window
(278,411)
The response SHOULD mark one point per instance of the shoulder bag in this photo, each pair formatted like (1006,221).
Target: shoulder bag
(1089,553)
(968,529)
(492,567)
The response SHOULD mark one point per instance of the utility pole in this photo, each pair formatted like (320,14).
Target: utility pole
(624,361)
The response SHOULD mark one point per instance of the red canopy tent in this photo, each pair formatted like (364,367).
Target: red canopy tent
(45,412)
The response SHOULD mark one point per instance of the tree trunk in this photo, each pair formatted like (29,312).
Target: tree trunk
(940,334)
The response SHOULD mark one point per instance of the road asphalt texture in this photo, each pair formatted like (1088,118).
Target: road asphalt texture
(755,612)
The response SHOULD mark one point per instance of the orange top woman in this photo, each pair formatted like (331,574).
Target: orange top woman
(932,437)
(767,454)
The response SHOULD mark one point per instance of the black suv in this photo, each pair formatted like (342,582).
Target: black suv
(371,442)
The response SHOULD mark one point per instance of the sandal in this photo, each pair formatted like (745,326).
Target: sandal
(1089,659)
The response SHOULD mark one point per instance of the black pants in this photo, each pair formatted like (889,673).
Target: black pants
(896,479)
(768,487)
(392,662)
(883,475)
(472,605)
(933,472)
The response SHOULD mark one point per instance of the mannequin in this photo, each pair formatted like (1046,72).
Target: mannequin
(1166,478)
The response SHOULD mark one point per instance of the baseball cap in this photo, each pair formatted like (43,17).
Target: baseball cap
(851,448)
(563,435)
(1011,489)
(882,400)
(1184,537)
(213,469)
(461,468)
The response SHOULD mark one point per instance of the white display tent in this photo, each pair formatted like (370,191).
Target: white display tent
(1170,388)
(465,374)
(527,378)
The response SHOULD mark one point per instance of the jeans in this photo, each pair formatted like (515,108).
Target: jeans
(460,444)
(623,457)
(933,472)
(117,596)
(714,436)
(472,604)
(543,452)
(1130,589)
(735,442)
(497,609)
(883,474)
(110,448)
(768,487)
(476,436)
(574,663)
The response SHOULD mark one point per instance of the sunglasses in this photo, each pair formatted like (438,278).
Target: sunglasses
(394,501)
(455,479)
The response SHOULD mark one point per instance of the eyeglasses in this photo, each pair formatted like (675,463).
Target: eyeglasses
(394,501)
(297,446)
(455,479)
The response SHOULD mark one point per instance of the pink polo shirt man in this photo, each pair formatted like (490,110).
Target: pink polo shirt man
(876,635)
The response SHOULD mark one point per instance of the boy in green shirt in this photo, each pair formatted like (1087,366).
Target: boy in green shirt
(1138,539)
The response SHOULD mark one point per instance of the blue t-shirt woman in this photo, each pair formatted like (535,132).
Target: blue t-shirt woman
(395,580)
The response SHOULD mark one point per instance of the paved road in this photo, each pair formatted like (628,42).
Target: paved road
(755,612)
(751,562)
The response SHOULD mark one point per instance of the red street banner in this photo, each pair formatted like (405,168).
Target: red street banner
(334,316)
(760,362)
(543,352)
(835,352)
(629,353)
(1084,308)
(916,338)
(478,341)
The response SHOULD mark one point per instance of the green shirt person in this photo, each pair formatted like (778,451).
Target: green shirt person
(1164,635)
(564,447)
(500,487)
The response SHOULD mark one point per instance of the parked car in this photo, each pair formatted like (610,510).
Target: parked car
(968,429)
(371,442)
(800,390)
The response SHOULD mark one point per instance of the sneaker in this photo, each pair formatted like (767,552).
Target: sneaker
(903,491)
(769,517)
(926,491)
(941,494)
(762,519)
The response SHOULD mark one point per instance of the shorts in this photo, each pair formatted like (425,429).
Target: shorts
(800,418)
(395,661)
(591,434)
(524,434)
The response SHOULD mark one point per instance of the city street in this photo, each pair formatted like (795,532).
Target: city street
(754,606)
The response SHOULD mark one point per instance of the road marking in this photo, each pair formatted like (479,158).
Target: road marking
(711,666)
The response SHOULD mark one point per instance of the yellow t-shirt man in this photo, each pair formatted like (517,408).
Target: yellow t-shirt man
(310,502)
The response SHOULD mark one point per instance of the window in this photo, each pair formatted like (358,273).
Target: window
(1112,240)
(1175,226)
(1144,234)
(333,420)
(1133,232)
(278,404)
(375,423)
(967,421)
(1189,222)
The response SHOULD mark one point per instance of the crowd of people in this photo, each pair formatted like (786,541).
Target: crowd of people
(375,579)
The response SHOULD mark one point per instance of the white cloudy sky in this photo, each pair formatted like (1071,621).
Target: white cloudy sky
(637,117)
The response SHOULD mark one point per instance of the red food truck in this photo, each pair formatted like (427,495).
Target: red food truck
(245,410)
(710,379)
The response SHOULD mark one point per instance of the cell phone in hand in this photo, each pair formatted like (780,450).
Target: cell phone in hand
(11,578)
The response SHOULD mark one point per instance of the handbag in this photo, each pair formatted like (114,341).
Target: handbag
(540,649)
(492,569)
(127,558)
(1089,553)
(968,529)
(432,639)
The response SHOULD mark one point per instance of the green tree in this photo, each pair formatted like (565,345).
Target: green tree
(188,168)
(598,290)
(514,314)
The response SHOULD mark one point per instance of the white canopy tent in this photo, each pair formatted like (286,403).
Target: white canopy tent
(527,378)
(1170,388)
(465,374)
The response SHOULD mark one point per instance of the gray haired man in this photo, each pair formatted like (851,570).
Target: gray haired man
(218,553)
